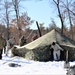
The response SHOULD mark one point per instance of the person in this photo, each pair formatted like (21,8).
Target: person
(51,49)
(22,41)
(2,44)
(7,47)
(11,41)
(10,44)
(5,43)
(56,51)
(34,37)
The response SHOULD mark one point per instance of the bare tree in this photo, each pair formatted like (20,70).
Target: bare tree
(68,5)
(57,3)
(6,12)
(69,18)
(24,21)
(52,25)
(16,9)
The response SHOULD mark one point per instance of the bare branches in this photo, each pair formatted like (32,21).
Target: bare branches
(59,12)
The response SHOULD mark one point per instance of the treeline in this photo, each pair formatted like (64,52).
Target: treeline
(28,33)
(14,23)
(66,13)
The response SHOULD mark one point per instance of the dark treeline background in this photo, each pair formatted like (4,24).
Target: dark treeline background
(14,23)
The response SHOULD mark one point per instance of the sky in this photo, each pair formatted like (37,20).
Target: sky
(41,11)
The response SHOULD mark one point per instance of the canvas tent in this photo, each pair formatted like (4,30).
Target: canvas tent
(40,48)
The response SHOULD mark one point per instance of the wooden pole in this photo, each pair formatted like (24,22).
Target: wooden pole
(38,28)
(66,64)
(67,56)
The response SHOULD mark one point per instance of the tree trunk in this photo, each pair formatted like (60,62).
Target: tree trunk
(70,19)
(60,16)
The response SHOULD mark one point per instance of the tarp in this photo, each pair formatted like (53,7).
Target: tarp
(47,39)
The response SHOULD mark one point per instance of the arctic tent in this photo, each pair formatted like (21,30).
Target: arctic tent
(39,49)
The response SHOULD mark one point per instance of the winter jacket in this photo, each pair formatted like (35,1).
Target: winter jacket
(56,47)
(2,42)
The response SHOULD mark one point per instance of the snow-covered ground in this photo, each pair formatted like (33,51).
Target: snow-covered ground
(30,67)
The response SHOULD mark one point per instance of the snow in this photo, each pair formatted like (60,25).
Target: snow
(30,67)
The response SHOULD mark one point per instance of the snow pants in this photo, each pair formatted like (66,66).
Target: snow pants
(1,51)
(7,50)
(56,55)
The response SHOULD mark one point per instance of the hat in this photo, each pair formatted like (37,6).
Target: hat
(53,43)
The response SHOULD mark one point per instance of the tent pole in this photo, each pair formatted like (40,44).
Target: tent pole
(67,56)
(38,28)
(66,64)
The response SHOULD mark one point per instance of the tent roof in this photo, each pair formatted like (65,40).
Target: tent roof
(47,39)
